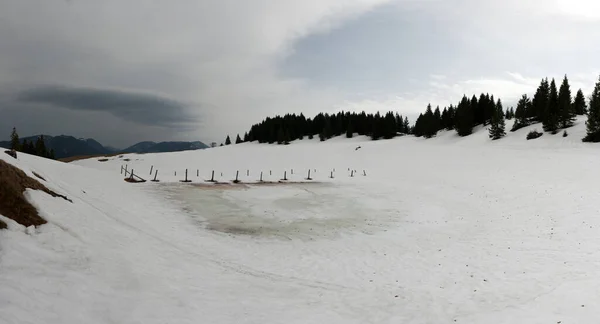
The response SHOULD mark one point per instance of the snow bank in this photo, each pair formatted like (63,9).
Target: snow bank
(443,230)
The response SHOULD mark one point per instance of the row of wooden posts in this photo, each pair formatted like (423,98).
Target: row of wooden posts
(129,174)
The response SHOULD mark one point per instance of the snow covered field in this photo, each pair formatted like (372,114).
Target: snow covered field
(445,230)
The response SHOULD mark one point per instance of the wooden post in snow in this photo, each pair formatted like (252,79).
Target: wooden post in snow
(151,167)
(155,175)
(261,180)
(331,175)
(237,173)
(308,178)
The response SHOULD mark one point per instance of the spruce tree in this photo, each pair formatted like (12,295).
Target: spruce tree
(15,143)
(593,122)
(280,136)
(550,120)
(430,123)
(437,116)
(418,130)
(579,104)
(566,112)
(40,147)
(451,115)
(464,118)
(497,126)
(247,137)
(406,125)
(349,130)
(539,104)
(238,140)
(227,140)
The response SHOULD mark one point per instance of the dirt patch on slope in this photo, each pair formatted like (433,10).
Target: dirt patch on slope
(13,182)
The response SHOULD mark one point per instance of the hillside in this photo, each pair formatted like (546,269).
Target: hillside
(441,230)
(153,147)
(65,146)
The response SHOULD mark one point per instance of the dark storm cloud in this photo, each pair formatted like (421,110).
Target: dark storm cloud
(147,109)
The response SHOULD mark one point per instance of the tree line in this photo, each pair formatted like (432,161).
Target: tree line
(37,148)
(290,127)
(553,106)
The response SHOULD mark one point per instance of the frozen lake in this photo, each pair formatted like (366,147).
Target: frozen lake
(305,211)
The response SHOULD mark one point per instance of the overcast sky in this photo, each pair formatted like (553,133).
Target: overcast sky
(127,71)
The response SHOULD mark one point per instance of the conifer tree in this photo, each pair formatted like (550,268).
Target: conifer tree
(451,115)
(280,136)
(539,104)
(238,140)
(550,121)
(406,125)
(349,130)
(579,104)
(430,123)
(227,140)
(437,117)
(247,137)
(15,143)
(464,118)
(40,147)
(418,130)
(523,106)
(593,122)
(566,112)
(497,126)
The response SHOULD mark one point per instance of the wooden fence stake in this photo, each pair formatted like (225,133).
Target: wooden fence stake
(261,176)
(308,178)
(155,174)
(151,167)
(331,175)
(237,173)
(284,176)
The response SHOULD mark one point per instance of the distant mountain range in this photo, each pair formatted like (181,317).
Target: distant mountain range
(65,146)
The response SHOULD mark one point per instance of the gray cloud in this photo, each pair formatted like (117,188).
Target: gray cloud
(147,109)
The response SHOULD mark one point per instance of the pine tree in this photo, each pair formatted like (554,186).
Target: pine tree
(451,115)
(523,106)
(566,112)
(238,140)
(247,137)
(227,140)
(539,104)
(15,143)
(593,122)
(406,126)
(437,117)
(418,130)
(550,121)
(349,130)
(464,118)
(280,136)
(579,104)
(40,147)
(430,123)
(497,123)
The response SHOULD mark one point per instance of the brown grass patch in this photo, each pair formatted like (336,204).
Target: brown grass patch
(102,160)
(83,157)
(13,182)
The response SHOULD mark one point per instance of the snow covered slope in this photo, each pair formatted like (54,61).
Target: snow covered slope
(444,230)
